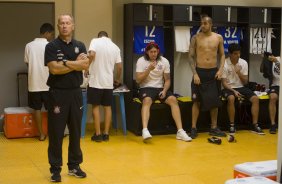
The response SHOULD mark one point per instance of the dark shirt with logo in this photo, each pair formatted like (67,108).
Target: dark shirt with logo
(58,50)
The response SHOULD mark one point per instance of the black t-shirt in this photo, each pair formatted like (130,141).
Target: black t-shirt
(57,50)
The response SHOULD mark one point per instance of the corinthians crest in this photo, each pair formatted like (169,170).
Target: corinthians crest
(57,109)
(76,50)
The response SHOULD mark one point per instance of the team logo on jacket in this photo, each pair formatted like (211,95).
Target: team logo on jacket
(57,109)
(76,50)
(194,96)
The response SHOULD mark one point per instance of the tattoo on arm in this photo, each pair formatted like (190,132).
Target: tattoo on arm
(191,55)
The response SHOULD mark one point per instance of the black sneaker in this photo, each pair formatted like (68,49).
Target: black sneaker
(193,133)
(97,138)
(232,129)
(77,172)
(106,137)
(272,129)
(256,129)
(56,177)
(217,132)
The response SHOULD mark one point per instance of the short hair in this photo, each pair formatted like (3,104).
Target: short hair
(72,19)
(205,16)
(233,47)
(46,27)
(102,33)
(149,46)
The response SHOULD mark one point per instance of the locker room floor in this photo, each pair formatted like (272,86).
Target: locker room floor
(127,160)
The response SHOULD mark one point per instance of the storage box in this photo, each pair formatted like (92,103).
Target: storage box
(266,169)
(251,180)
(20,123)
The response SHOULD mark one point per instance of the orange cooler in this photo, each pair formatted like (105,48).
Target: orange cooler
(20,123)
(266,169)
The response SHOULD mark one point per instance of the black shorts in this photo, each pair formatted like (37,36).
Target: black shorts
(153,93)
(246,92)
(206,75)
(274,89)
(37,99)
(97,96)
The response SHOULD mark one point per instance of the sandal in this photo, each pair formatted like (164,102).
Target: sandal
(42,138)
(214,140)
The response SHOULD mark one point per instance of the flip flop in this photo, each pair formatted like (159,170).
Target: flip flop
(214,140)
(42,138)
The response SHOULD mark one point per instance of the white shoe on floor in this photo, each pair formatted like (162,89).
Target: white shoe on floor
(146,134)
(182,135)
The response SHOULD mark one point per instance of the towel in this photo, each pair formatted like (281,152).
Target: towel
(182,38)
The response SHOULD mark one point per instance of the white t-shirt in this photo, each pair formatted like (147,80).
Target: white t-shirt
(101,69)
(155,77)
(231,76)
(37,71)
(276,72)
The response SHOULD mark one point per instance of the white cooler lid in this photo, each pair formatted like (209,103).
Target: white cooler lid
(251,180)
(17,110)
(262,168)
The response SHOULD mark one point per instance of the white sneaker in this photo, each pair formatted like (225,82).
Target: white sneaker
(182,135)
(146,134)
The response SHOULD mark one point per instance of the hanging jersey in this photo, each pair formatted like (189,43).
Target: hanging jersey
(230,35)
(194,30)
(260,40)
(146,34)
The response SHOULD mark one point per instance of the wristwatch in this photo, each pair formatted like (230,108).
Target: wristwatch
(65,62)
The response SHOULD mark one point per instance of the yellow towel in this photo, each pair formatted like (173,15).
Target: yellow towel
(138,101)
(184,99)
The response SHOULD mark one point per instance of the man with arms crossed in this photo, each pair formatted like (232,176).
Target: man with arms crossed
(205,48)
(65,58)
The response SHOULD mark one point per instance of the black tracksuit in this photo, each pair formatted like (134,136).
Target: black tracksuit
(65,104)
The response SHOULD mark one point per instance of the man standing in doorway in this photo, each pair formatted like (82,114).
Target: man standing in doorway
(66,58)
(205,48)
(38,74)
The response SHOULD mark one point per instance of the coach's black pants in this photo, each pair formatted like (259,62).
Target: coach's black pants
(64,107)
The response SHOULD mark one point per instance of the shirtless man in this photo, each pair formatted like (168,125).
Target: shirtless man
(204,50)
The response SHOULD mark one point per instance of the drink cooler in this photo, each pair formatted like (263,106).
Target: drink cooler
(19,122)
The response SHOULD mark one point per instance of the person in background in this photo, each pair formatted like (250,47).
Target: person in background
(271,69)
(153,76)
(65,58)
(206,46)
(235,76)
(38,74)
(104,58)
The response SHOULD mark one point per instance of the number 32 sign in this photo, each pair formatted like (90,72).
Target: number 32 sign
(146,34)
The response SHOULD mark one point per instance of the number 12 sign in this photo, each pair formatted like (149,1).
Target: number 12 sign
(146,34)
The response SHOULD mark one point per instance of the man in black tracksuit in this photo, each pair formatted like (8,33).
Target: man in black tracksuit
(65,58)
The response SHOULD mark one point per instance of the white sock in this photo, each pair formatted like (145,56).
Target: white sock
(179,130)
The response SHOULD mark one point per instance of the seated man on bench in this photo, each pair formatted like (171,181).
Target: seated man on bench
(234,77)
(270,68)
(153,76)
